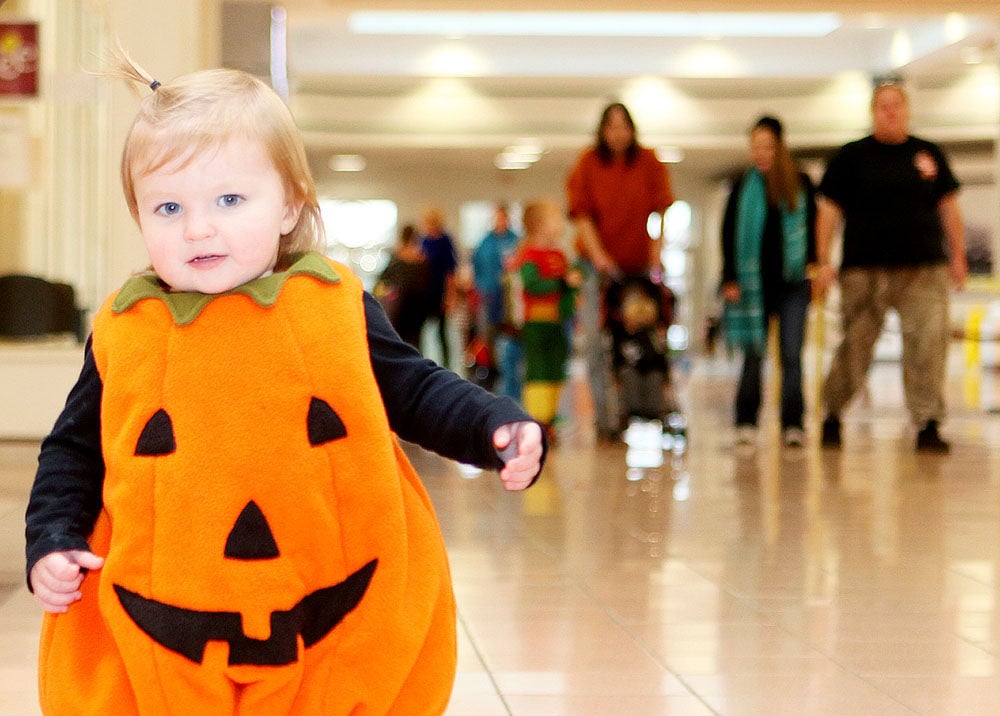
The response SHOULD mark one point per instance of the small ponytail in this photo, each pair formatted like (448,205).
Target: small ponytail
(124,67)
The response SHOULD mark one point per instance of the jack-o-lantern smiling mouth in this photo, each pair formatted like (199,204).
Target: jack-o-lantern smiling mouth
(187,631)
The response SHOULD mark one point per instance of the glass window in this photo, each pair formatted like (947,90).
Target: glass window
(679,224)
(360,234)
(676,244)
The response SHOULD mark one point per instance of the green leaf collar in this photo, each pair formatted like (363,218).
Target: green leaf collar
(186,306)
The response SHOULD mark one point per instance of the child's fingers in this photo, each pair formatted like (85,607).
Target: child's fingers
(71,564)
(87,560)
(530,439)
(529,444)
(525,435)
(55,568)
(514,484)
(56,578)
(52,591)
(519,445)
(522,471)
(506,440)
(502,437)
(47,581)
(56,602)
(519,479)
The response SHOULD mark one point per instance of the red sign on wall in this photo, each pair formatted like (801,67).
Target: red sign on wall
(19,59)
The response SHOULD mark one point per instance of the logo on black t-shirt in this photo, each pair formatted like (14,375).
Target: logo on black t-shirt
(926,165)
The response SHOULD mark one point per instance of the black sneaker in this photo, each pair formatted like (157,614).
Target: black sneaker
(831,432)
(928,439)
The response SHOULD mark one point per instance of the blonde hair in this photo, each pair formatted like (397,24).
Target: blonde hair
(204,109)
(535,212)
(432,219)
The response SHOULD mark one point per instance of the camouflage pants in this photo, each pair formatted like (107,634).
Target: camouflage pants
(920,295)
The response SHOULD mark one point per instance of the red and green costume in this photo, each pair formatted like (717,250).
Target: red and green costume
(548,304)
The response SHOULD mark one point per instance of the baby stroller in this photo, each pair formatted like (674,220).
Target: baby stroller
(637,314)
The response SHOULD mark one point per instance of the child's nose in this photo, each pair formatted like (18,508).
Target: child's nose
(198,227)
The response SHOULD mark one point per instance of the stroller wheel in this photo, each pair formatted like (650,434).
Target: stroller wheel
(676,423)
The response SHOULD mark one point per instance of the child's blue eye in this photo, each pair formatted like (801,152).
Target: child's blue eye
(230,200)
(169,208)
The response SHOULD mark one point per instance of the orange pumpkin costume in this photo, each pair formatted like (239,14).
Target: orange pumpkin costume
(269,548)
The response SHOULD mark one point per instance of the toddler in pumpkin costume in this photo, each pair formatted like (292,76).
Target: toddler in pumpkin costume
(223,521)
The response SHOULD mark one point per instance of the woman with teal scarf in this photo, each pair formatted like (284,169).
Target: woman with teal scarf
(768,238)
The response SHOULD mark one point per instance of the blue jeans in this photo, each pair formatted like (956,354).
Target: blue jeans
(791,310)
(510,361)
(508,354)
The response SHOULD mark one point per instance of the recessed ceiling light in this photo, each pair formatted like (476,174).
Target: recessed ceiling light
(956,26)
(507,162)
(347,163)
(520,155)
(901,48)
(529,146)
(670,155)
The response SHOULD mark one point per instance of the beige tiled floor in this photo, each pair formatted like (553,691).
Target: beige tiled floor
(727,581)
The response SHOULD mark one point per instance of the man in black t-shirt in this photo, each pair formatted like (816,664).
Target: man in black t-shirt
(903,242)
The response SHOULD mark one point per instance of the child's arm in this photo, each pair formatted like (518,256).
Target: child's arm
(434,407)
(66,495)
(537,284)
(56,578)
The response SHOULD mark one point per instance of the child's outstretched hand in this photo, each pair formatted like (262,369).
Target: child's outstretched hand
(56,577)
(520,447)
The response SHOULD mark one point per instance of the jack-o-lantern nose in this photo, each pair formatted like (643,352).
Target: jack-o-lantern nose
(251,536)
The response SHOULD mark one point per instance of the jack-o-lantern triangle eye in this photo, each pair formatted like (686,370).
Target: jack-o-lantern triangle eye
(323,423)
(157,437)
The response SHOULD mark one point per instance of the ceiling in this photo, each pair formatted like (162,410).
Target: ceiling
(459,95)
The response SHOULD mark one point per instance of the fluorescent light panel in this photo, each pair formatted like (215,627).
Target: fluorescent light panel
(347,163)
(594,24)
(520,155)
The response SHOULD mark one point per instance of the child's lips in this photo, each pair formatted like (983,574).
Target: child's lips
(207,261)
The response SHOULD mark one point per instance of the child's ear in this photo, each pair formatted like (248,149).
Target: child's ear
(293,209)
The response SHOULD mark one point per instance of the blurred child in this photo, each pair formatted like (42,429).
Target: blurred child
(442,261)
(402,287)
(489,262)
(639,312)
(223,520)
(549,287)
